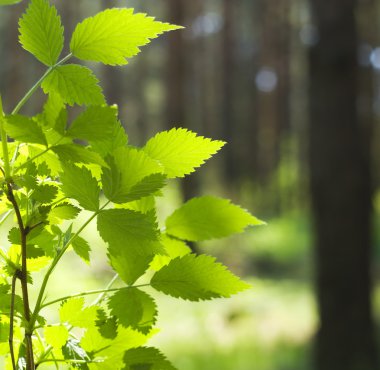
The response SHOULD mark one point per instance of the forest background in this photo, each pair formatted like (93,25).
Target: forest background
(293,86)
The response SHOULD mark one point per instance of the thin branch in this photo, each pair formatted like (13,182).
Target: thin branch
(11,321)
(102,291)
(38,83)
(41,293)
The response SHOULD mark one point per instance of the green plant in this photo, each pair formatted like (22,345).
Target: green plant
(48,179)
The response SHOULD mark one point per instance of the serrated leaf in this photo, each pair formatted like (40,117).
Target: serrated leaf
(132,238)
(110,352)
(78,183)
(63,211)
(173,247)
(114,35)
(96,123)
(41,31)
(24,129)
(73,351)
(44,193)
(107,326)
(75,84)
(75,313)
(208,218)
(134,308)
(52,109)
(46,161)
(75,153)
(117,139)
(131,175)
(197,278)
(146,358)
(181,151)
(56,336)
(81,248)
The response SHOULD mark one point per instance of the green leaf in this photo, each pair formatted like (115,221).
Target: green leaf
(208,218)
(63,211)
(56,336)
(109,353)
(96,123)
(24,129)
(78,183)
(197,278)
(76,314)
(117,139)
(134,308)
(41,31)
(131,175)
(73,351)
(146,358)
(132,239)
(114,35)
(173,247)
(9,2)
(77,154)
(81,248)
(181,151)
(75,84)
(45,193)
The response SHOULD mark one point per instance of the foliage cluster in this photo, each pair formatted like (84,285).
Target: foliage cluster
(56,166)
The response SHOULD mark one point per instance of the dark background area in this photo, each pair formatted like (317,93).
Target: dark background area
(293,86)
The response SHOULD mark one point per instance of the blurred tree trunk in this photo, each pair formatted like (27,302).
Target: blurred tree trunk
(177,81)
(228,93)
(341,193)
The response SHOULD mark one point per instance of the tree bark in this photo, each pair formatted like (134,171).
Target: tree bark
(341,194)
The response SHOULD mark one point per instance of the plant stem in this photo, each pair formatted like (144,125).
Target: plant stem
(38,83)
(56,260)
(11,321)
(4,143)
(23,276)
(103,293)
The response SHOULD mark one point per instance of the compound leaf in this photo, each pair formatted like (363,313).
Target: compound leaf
(207,218)
(197,278)
(41,31)
(78,183)
(75,84)
(181,151)
(114,35)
